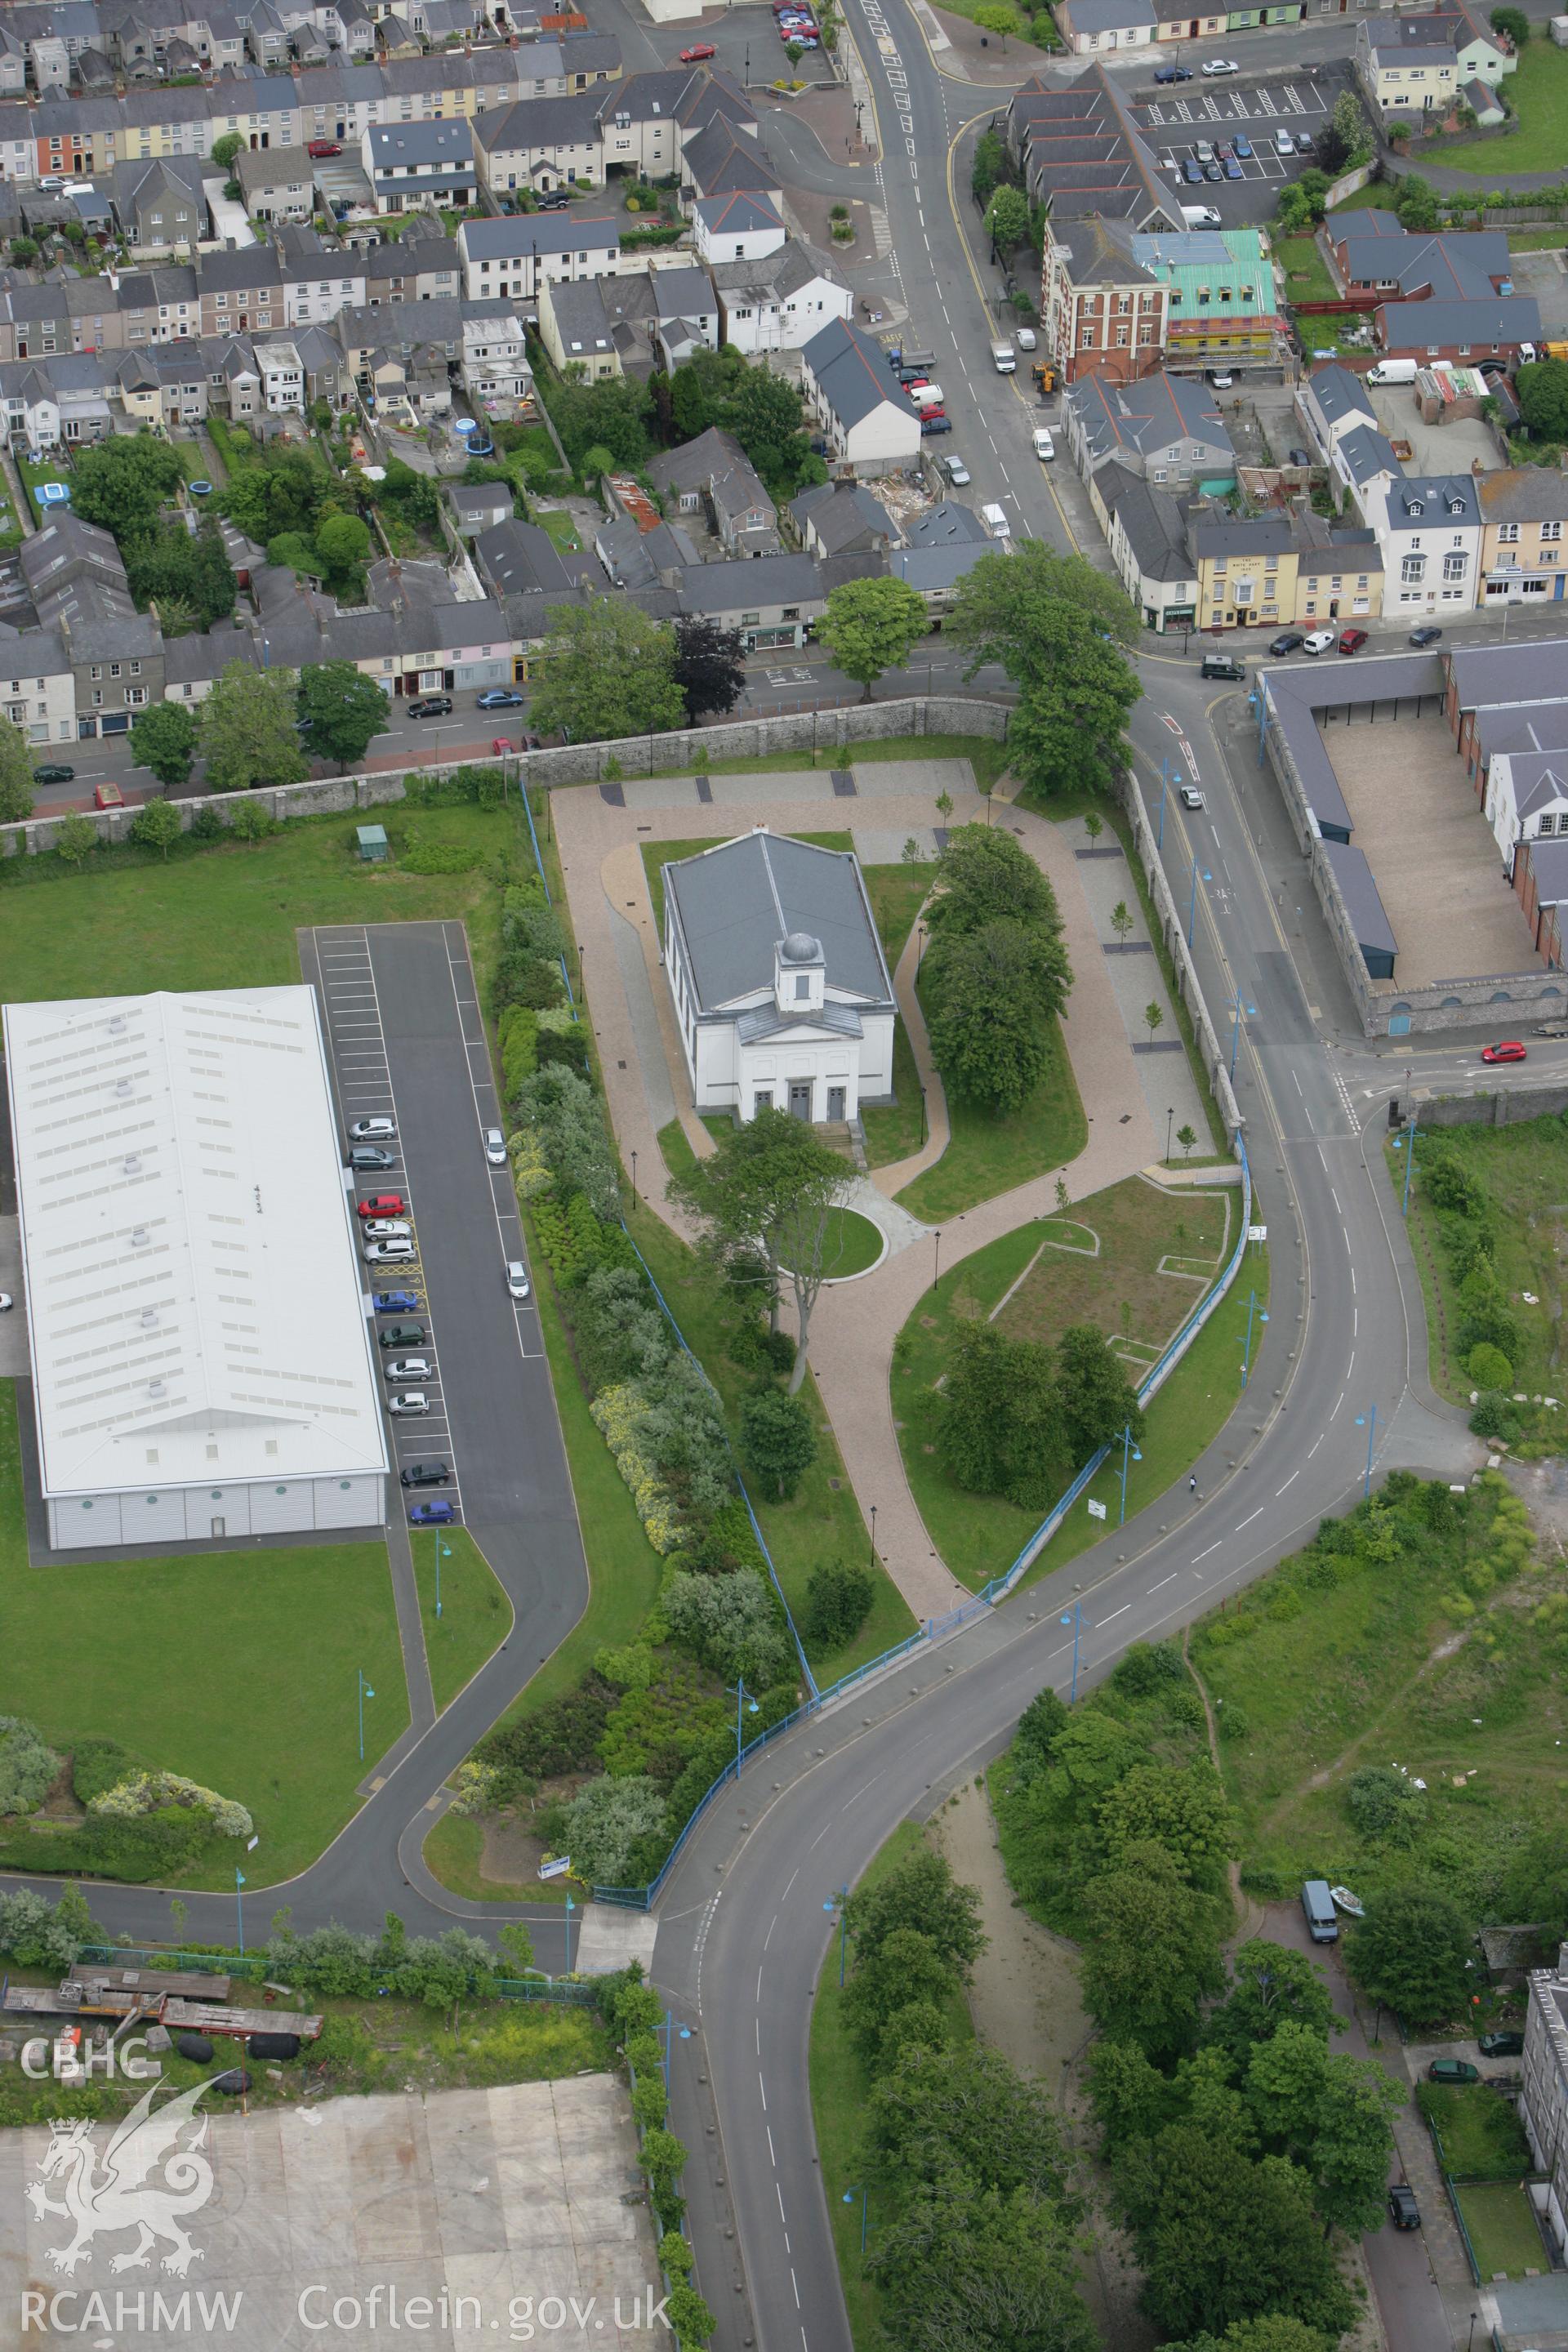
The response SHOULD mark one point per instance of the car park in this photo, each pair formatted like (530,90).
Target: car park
(1403,2211)
(698,53)
(426,1474)
(401,1335)
(1505,2043)
(495,1146)
(430,706)
(1453,2070)
(55,774)
(397,1302)
(439,1514)
(389,1253)
(1190,797)
(1425,636)
(408,1401)
(1509,1050)
(370,1130)
(1215,67)
(1317,641)
(380,1204)
(501,698)
(389,1229)
(517,1281)
(367,1158)
(1286,642)
(1352,640)
(409,1368)
(956,471)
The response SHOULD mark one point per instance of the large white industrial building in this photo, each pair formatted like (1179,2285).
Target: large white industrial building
(201,1362)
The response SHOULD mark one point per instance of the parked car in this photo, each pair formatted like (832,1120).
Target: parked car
(1242,147)
(935,420)
(1172,73)
(1403,2210)
(1352,640)
(1510,1050)
(369,1130)
(1317,641)
(431,706)
(1215,67)
(54,774)
(1045,447)
(501,745)
(1425,636)
(409,1368)
(1025,337)
(389,1229)
(397,1302)
(439,1514)
(318,148)
(1503,2045)
(956,471)
(554,200)
(501,698)
(381,1204)
(1190,797)
(1191,172)
(1305,143)
(1300,457)
(389,1253)
(1221,378)
(426,1474)
(495,1146)
(1286,642)
(408,1401)
(366,1159)
(1202,150)
(1223,150)
(1213,172)
(517,1281)
(698,53)
(799,35)
(1232,169)
(402,1335)
(1453,2070)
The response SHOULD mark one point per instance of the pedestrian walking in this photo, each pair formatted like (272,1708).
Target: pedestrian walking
(1193,1484)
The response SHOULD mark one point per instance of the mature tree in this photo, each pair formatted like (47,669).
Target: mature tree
(1270,1986)
(1273,2331)
(1151,1959)
(1221,2237)
(989,996)
(838,1597)
(993,2273)
(1513,23)
(1007,217)
(923,1893)
(344,543)
(870,625)
(1535,1881)
(168,565)
(346,711)
(709,666)
(612,415)
(225,148)
(778,1440)
(1059,629)
(156,825)
(1344,138)
(1131,2098)
(164,739)
(1331,2116)
(1411,1952)
(965,2106)
(413,496)
(990,166)
(120,483)
(904,1968)
(1067,733)
(75,838)
(769,1188)
(1000,1430)
(248,732)
(284,489)
(982,874)
(1182,1807)
(701,390)
(765,417)
(1098,1400)
(1207,2096)
(24,250)
(18,785)
(1542,388)
(608,671)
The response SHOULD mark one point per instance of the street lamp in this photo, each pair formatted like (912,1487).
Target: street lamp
(1167,777)
(634,1173)
(1128,1449)
(744,1705)
(839,1903)
(443,1551)
(1246,1353)
(1250,1011)
(239,1908)
(1170,1115)
(1075,1618)
(1369,1421)
(1193,901)
(936,1277)
(1406,1143)
(920,945)
(849,2197)
(364,1692)
(873,1535)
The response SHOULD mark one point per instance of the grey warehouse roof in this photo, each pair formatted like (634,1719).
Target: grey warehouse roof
(735,903)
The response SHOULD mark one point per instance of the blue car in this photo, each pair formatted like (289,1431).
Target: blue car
(1233,170)
(1242,147)
(502,697)
(397,1302)
(439,1514)
(1192,170)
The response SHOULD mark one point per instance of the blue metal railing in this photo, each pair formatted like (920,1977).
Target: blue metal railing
(642,1898)
(545,879)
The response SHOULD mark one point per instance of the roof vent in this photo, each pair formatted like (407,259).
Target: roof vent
(122,1086)
(117,1025)
(133,1163)
(149,1319)
(155,1387)
(140,1237)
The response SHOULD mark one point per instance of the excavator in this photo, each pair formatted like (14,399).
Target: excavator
(1044,375)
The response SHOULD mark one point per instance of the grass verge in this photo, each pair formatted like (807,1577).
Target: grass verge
(980,1535)
(893,1130)
(454,1851)
(476,1615)
(987,1155)
(270,1720)
(850,1243)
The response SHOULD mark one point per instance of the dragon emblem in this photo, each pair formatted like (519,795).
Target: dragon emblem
(124,2193)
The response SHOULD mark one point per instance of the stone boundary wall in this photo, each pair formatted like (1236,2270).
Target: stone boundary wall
(1505,1107)
(1215,1057)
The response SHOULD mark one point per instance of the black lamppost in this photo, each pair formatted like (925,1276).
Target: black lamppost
(873,1535)
(936,1277)
(921,946)
(1170,1115)
(633,1173)
(922,1119)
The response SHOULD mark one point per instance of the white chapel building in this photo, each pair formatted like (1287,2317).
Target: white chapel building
(779,980)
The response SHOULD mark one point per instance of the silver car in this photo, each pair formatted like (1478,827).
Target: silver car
(408,1401)
(495,1147)
(517,1280)
(409,1368)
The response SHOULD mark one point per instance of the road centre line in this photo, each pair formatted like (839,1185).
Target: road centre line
(1203,1555)
(1316,1443)
(1338,1401)
(1163,1581)
(1257,1514)
(1289,1482)
(1117,1613)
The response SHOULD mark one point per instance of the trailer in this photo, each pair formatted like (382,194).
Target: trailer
(91,1996)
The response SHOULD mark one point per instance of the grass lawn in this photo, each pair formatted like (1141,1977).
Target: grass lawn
(1338,1664)
(54,470)
(453,1851)
(839,2083)
(822,1521)
(1483,2139)
(1306,277)
(1524,1170)
(560,526)
(224,918)
(1503,2231)
(476,1615)
(1537,240)
(893,1130)
(1538,88)
(980,1535)
(850,1243)
(267,1716)
(987,1155)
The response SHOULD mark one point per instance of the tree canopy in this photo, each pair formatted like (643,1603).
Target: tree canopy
(709,666)
(19,786)
(1410,1952)
(608,671)
(872,625)
(164,739)
(1061,631)
(248,732)
(346,711)
(120,484)
(1151,1959)
(1542,388)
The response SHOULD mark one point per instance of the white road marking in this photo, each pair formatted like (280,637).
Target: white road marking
(1339,1211)
(1257,1514)
(1117,1613)
(1338,1401)
(1313,1447)
(1289,1482)
(1203,1555)
(1163,1581)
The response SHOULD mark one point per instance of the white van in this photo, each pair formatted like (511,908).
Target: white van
(1200,215)
(1045,447)
(996,522)
(926,395)
(1392,371)
(1003,358)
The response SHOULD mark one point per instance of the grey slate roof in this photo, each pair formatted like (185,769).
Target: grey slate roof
(1340,392)
(851,368)
(1154,524)
(518,557)
(426,146)
(750,583)
(949,524)
(539,233)
(1350,869)
(1499,319)
(735,903)
(1367,454)
(843,515)
(1484,675)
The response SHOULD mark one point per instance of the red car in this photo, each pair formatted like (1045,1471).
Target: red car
(1510,1051)
(321,147)
(1352,640)
(698,53)
(501,744)
(384,1204)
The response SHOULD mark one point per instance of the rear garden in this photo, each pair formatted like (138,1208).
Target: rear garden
(1537,91)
